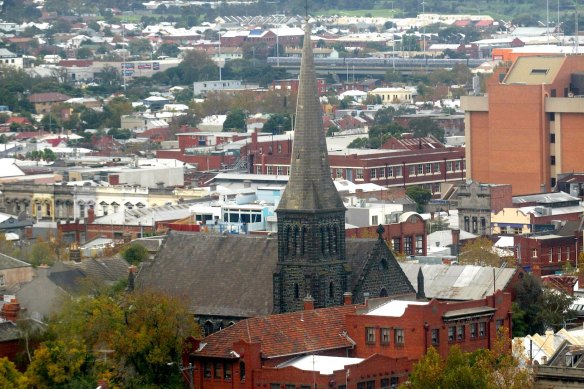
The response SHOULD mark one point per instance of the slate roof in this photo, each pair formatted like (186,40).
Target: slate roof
(7,262)
(285,334)
(9,331)
(233,275)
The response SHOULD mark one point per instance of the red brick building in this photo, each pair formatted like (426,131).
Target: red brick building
(371,345)
(526,130)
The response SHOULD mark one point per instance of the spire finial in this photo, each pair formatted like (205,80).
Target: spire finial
(306,9)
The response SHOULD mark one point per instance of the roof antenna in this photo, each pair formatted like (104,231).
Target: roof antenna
(306,9)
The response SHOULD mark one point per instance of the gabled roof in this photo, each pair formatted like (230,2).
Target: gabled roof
(286,334)
(7,262)
(49,97)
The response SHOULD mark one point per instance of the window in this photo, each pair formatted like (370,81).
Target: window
(553,160)
(374,220)
(381,173)
(370,385)
(242,371)
(390,172)
(227,371)
(458,166)
(207,369)
(428,168)
(290,386)
(411,170)
(420,169)
(408,245)
(279,147)
(534,253)
(385,383)
(419,244)
(435,337)
(274,386)
(218,368)
(449,166)
(475,226)
(373,173)
(551,255)
(331,290)
(473,330)
(396,244)
(339,173)
(258,169)
(280,170)
(552,138)
(451,333)
(296,292)
(370,335)
(399,171)
(270,170)
(499,324)
(436,167)
(483,225)
(482,329)
(2,280)
(358,174)
(467,223)
(399,336)
(460,333)
(385,336)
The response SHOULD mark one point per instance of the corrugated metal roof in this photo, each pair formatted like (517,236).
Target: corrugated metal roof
(451,282)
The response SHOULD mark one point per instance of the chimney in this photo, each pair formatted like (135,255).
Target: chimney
(131,276)
(420,294)
(10,308)
(366,298)
(90,215)
(254,141)
(74,252)
(455,241)
(347,298)
(308,303)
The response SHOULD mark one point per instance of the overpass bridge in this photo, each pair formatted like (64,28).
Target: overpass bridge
(372,66)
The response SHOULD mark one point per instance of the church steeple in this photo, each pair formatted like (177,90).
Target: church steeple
(311,214)
(310,187)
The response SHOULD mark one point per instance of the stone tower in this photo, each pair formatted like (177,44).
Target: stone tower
(311,214)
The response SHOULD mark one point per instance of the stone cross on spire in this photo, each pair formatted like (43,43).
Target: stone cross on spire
(310,187)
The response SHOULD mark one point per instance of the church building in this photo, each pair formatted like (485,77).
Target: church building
(227,278)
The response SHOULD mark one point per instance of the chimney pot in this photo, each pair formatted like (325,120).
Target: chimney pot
(308,303)
(347,298)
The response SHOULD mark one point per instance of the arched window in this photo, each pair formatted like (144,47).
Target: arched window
(295,250)
(322,240)
(383,292)
(331,291)
(303,241)
(287,241)
(296,291)
(208,328)
(330,240)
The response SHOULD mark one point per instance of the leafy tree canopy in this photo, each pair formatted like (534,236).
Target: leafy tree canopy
(235,121)
(135,253)
(278,123)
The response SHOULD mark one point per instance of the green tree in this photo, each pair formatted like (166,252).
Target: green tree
(278,123)
(140,47)
(235,120)
(144,331)
(135,253)
(425,126)
(10,377)
(41,252)
(420,195)
(84,53)
(114,110)
(480,252)
(168,49)
(358,143)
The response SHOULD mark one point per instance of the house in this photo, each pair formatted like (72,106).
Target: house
(44,102)
(374,344)
(13,273)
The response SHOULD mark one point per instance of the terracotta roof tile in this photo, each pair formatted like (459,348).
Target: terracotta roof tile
(284,334)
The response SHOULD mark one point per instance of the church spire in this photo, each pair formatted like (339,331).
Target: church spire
(310,187)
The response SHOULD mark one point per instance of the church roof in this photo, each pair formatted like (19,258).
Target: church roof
(232,275)
(285,334)
(310,187)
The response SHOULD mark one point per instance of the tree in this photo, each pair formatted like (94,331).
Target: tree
(127,338)
(425,126)
(84,53)
(135,253)
(114,110)
(278,123)
(358,143)
(41,252)
(484,368)
(480,252)
(420,195)
(140,47)
(235,120)
(10,377)
(539,308)
(168,49)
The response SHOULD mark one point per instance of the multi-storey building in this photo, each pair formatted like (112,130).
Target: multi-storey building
(527,129)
